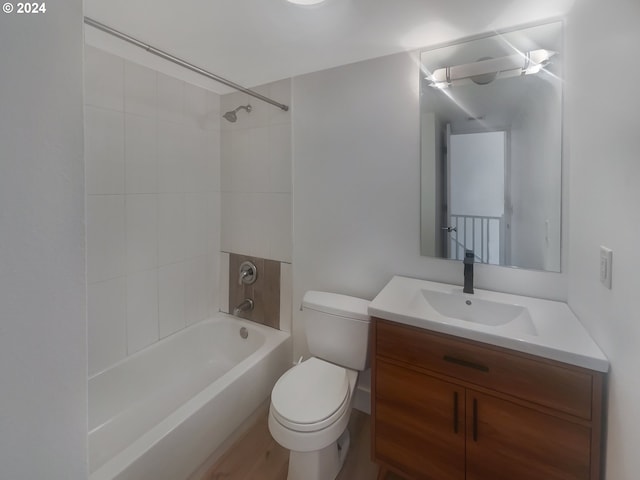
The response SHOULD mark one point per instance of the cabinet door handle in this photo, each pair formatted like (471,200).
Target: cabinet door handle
(465,363)
(475,420)
(455,412)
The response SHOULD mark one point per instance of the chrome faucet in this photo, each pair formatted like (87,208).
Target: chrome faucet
(468,271)
(245,306)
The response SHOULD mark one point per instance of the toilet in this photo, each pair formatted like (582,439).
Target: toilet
(311,402)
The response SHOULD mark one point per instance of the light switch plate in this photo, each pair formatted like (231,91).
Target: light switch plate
(606,259)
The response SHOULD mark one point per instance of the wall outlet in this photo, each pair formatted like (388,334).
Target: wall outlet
(606,258)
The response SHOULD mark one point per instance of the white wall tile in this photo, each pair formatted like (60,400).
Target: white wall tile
(205,178)
(196,299)
(257,224)
(255,211)
(142,310)
(103,79)
(214,115)
(226,161)
(193,160)
(256,170)
(141,157)
(171,226)
(170,99)
(105,237)
(140,87)
(141,232)
(196,106)
(237,166)
(212,153)
(280,227)
(195,228)
(213,211)
(171,157)
(280,158)
(171,298)
(107,325)
(104,151)
(245,224)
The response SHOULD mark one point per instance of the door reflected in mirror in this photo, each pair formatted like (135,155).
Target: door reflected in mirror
(491,149)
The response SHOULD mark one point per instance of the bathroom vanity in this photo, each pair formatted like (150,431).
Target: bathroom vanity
(480,387)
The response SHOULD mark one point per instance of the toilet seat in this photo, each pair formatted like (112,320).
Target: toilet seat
(310,396)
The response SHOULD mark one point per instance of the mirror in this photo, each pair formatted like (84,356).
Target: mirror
(491,149)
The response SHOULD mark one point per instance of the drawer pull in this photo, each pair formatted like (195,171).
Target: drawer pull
(465,363)
(455,412)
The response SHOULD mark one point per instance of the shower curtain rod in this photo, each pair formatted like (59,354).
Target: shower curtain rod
(178,61)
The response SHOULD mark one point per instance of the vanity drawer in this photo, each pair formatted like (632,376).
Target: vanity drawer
(562,387)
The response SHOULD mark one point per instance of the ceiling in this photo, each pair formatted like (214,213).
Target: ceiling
(252,42)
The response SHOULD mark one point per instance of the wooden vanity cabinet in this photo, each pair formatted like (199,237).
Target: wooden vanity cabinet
(445,408)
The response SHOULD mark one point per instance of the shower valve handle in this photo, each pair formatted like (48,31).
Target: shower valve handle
(248,273)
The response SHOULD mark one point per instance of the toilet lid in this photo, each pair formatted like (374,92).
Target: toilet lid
(310,394)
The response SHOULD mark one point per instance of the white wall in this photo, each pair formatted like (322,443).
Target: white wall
(604,148)
(43,351)
(153,205)
(356,172)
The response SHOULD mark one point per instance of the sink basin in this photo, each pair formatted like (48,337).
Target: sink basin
(452,305)
(475,310)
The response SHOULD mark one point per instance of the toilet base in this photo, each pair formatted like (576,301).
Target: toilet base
(324,464)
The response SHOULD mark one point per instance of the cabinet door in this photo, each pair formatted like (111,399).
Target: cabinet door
(419,423)
(506,441)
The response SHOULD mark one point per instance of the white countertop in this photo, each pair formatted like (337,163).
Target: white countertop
(559,334)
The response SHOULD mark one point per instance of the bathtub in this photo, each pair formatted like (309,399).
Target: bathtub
(160,413)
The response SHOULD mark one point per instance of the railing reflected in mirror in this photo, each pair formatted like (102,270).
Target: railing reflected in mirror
(491,148)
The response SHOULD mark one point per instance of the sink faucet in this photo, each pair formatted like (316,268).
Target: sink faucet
(468,271)
(245,305)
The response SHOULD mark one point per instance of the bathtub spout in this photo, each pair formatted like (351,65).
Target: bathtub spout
(244,306)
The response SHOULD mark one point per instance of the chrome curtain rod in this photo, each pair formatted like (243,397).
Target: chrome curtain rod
(178,61)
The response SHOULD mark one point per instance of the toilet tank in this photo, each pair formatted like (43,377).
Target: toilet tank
(337,328)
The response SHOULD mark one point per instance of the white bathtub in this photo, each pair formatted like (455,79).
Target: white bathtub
(161,412)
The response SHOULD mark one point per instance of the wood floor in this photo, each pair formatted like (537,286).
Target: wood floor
(256,456)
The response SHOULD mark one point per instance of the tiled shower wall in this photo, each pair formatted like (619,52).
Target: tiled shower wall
(152,152)
(256,175)
(257,187)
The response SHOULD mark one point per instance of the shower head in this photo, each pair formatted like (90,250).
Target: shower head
(231,116)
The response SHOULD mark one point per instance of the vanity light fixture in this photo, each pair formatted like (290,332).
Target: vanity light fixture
(305,2)
(486,70)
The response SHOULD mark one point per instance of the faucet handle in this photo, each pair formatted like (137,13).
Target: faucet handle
(469,257)
(248,273)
